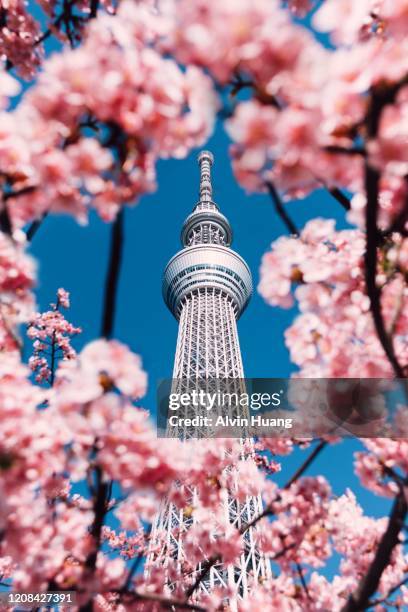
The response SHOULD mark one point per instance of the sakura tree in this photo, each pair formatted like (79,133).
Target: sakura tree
(134,82)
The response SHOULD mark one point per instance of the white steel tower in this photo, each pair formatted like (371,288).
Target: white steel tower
(207,286)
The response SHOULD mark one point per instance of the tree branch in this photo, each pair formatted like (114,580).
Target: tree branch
(360,599)
(340,197)
(135,565)
(280,209)
(112,277)
(398,224)
(52,363)
(372,182)
(94,9)
(5,221)
(99,509)
(66,12)
(344,151)
(376,602)
(34,227)
(15,194)
(308,461)
(302,580)
(269,511)
(205,568)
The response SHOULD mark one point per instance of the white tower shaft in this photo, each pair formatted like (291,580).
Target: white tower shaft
(207,286)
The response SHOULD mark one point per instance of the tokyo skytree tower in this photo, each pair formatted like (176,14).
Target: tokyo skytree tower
(207,286)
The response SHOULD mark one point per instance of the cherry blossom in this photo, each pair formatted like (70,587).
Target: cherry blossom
(372,466)
(230,37)
(300,7)
(128,545)
(19,35)
(212,535)
(17,279)
(150,106)
(104,365)
(38,446)
(8,87)
(23,34)
(51,333)
(330,290)
(350,21)
(360,543)
(304,539)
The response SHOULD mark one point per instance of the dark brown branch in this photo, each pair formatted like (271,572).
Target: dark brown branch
(398,224)
(360,599)
(34,227)
(280,209)
(308,461)
(5,221)
(240,83)
(57,22)
(269,511)
(135,565)
(377,602)
(302,580)
(64,18)
(53,356)
(205,568)
(343,151)
(340,197)
(112,278)
(399,480)
(20,192)
(380,98)
(3,17)
(100,506)
(372,179)
(94,9)
(282,552)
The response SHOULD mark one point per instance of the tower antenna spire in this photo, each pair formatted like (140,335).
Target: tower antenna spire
(205,160)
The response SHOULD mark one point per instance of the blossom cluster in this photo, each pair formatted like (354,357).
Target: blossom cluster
(304,126)
(45,525)
(105,111)
(51,334)
(17,279)
(22,35)
(87,425)
(18,38)
(92,127)
(334,334)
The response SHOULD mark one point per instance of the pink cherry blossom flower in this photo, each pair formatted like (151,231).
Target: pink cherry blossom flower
(326,269)
(51,333)
(105,364)
(17,279)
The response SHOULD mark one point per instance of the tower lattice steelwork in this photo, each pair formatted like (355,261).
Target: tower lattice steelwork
(207,286)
